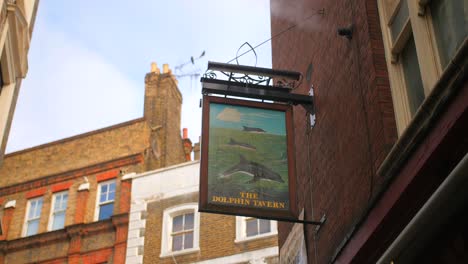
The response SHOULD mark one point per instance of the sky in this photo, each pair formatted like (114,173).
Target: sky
(88,60)
(239,117)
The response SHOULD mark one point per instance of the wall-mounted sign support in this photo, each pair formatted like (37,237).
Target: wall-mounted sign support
(247,152)
(255,82)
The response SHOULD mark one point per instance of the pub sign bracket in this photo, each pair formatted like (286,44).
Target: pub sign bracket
(255,82)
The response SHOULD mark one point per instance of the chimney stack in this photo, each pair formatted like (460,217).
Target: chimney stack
(187,145)
(162,109)
(196,151)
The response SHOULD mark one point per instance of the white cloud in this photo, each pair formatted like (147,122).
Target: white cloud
(87,62)
(79,91)
(229,115)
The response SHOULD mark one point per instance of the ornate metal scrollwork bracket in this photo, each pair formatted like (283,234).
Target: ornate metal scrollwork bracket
(255,82)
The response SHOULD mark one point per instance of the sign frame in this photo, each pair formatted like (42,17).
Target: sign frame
(291,212)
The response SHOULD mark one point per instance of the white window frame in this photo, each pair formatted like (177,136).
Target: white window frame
(26,217)
(241,230)
(52,212)
(166,239)
(98,195)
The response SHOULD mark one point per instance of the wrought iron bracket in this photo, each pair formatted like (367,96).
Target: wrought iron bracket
(256,83)
(318,224)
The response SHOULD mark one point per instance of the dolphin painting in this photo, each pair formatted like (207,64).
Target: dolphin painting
(253,129)
(257,170)
(234,143)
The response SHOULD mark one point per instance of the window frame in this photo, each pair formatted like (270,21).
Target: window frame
(420,27)
(166,235)
(52,212)
(241,230)
(182,232)
(98,196)
(26,217)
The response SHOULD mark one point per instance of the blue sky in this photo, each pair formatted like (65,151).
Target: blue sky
(88,60)
(231,116)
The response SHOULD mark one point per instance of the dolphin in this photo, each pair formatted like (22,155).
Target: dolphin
(257,170)
(234,143)
(253,129)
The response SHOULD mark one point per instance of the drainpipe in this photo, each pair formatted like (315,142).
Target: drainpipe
(444,202)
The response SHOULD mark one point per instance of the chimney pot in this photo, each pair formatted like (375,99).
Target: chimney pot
(185,133)
(166,68)
(154,67)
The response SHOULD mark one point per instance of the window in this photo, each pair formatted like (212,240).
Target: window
(182,231)
(180,234)
(449,19)
(59,207)
(105,200)
(420,39)
(33,216)
(248,228)
(414,86)
(254,227)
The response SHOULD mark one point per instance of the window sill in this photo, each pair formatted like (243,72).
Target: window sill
(253,238)
(178,253)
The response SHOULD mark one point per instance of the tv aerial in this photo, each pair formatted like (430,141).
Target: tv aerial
(178,69)
(194,74)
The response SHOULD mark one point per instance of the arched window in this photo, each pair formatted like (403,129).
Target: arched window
(181,229)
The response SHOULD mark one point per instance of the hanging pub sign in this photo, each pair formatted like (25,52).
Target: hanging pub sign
(247,159)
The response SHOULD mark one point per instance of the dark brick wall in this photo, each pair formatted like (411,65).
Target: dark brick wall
(355,127)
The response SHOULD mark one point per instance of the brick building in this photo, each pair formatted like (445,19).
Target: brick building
(16,27)
(386,159)
(67,201)
(166,227)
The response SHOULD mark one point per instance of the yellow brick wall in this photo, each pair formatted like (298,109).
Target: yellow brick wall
(98,241)
(36,254)
(217,235)
(74,153)
(162,110)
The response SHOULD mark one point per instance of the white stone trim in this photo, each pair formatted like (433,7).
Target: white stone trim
(134,240)
(149,173)
(137,224)
(83,187)
(10,204)
(128,176)
(256,256)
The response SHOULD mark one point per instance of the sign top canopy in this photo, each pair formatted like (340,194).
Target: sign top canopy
(255,82)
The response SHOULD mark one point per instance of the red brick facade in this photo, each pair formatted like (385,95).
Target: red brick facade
(338,158)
